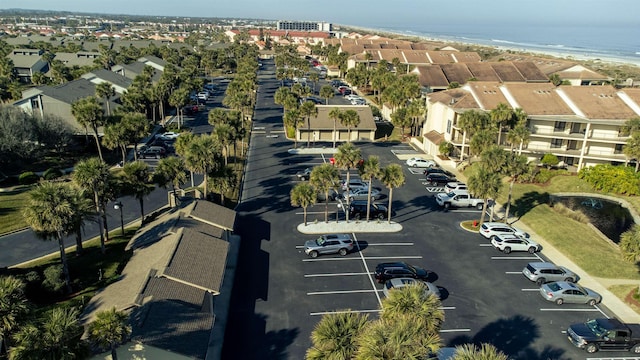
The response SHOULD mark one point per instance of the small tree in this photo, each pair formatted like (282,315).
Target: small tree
(549,160)
(445,148)
(303,195)
(110,329)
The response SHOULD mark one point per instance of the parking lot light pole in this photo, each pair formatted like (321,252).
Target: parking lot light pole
(118,206)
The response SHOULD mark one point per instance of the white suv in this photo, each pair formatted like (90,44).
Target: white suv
(490,229)
(509,243)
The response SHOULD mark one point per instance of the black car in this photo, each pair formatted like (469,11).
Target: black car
(358,210)
(392,270)
(437,170)
(438,179)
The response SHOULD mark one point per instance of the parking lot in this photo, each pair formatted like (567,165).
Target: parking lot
(281,292)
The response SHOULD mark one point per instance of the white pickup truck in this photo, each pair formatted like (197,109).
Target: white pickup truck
(458,198)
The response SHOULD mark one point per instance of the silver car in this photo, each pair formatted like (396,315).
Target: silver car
(562,292)
(398,283)
(361,194)
(542,272)
(329,244)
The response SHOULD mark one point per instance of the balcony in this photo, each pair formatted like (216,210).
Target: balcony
(605,137)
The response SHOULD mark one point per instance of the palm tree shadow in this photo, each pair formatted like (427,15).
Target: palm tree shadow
(528,201)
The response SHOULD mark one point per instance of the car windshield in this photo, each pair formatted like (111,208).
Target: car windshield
(596,328)
(554,286)
(320,240)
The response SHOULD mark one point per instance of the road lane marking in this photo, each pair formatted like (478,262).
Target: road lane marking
(369,258)
(335,274)
(343,312)
(341,292)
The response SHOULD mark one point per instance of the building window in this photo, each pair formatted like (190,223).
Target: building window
(618,149)
(559,126)
(448,126)
(556,143)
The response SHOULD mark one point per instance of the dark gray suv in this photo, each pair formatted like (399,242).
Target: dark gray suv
(329,244)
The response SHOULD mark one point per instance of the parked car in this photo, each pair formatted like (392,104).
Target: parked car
(355,184)
(455,186)
(509,243)
(168,135)
(392,270)
(152,152)
(420,162)
(399,283)
(329,244)
(542,272)
(352,97)
(203,95)
(361,194)
(562,292)
(358,210)
(332,195)
(314,100)
(437,179)
(489,229)
(437,170)
(358,102)
(304,174)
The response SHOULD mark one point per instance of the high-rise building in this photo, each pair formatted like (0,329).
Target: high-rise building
(304,26)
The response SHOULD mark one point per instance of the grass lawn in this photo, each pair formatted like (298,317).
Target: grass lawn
(11,204)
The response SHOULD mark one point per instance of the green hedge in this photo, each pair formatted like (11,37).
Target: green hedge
(615,179)
(28,178)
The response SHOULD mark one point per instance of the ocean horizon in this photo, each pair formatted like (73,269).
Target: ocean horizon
(612,43)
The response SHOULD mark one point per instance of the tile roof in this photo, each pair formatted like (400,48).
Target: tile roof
(199,260)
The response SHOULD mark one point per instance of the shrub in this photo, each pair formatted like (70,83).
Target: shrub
(549,160)
(614,179)
(545,175)
(578,215)
(52,173)
(445,148)
(28,178)
(53,280)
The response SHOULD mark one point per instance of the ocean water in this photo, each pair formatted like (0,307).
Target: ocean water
(615,42)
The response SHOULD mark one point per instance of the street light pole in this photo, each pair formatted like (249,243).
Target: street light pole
(118,206)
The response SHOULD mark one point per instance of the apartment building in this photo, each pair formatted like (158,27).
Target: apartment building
(579,124)
(304,26)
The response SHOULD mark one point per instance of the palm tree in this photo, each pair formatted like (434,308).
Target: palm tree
(303,195)
(88,113)
(335,114)
(484,184)
(481,141)
(225,135)
(630,244)
(470,122)
(170,170)
(401,118)
(13,305)
(325,178)
(519,134)
(203,156)
(223,181)
(501,114)
(632,148)
(516,165)
(327,92)
(336,336)
(136,179)
(494,158)
(107,91)
(84,210)
(308,109)
(414,301)
(370,169)
(347,157)
(350,118)
(392,177)
(50,213)
(93,175)
(395,340)
(110,329)
(293,118)
(472,352)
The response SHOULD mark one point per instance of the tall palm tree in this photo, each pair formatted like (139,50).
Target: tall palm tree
(51,214)
(383,339)
(293,118)
(203,156)
(223,180)
(225,135)
(135,127)
(335,114)
(303,195)
(88,112)
(370,170)
(325,178)
(136,180)
(182,148)
(170,170)
(336,336)
(110,329)
(392,177)
(327,92)
(116,137)
(500,115)
(516,165)
(107,91)
(84,211)
(494,158)
(350,119)
(486,185)
(308,109)
(93,175)
(472,352)
(347,157)
(470,121)
(632,148)
(520,135)
(13,305)
(481,141)
(414,301)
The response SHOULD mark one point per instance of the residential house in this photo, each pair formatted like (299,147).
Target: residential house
(579,124)
(177,284)
(134,69)
(80,58)
(321,127)
(119,82)
(27,62)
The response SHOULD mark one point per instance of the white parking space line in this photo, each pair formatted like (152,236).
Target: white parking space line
(366,267)
(433,189)
(369,258)
(514,258)
(513,272)
(343,312)
(416,171)
(454,330)
(447,308)
(485,245)
(465,211)
(341,292)
(570,310)
(530,289)
(258,132)
(336,274)
(390,244)
(314,212)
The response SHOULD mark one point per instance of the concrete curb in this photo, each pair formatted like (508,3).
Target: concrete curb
(350,227)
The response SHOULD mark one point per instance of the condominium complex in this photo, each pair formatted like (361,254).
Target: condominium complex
(304,26)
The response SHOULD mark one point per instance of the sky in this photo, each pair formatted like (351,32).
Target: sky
(364,13)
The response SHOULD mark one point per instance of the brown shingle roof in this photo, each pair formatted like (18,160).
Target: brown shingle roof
(538,99)
(432,76)
(323,122)
(487,94)
(598,102)
(434,137)
(456,73)
(214,214)
(455,98)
